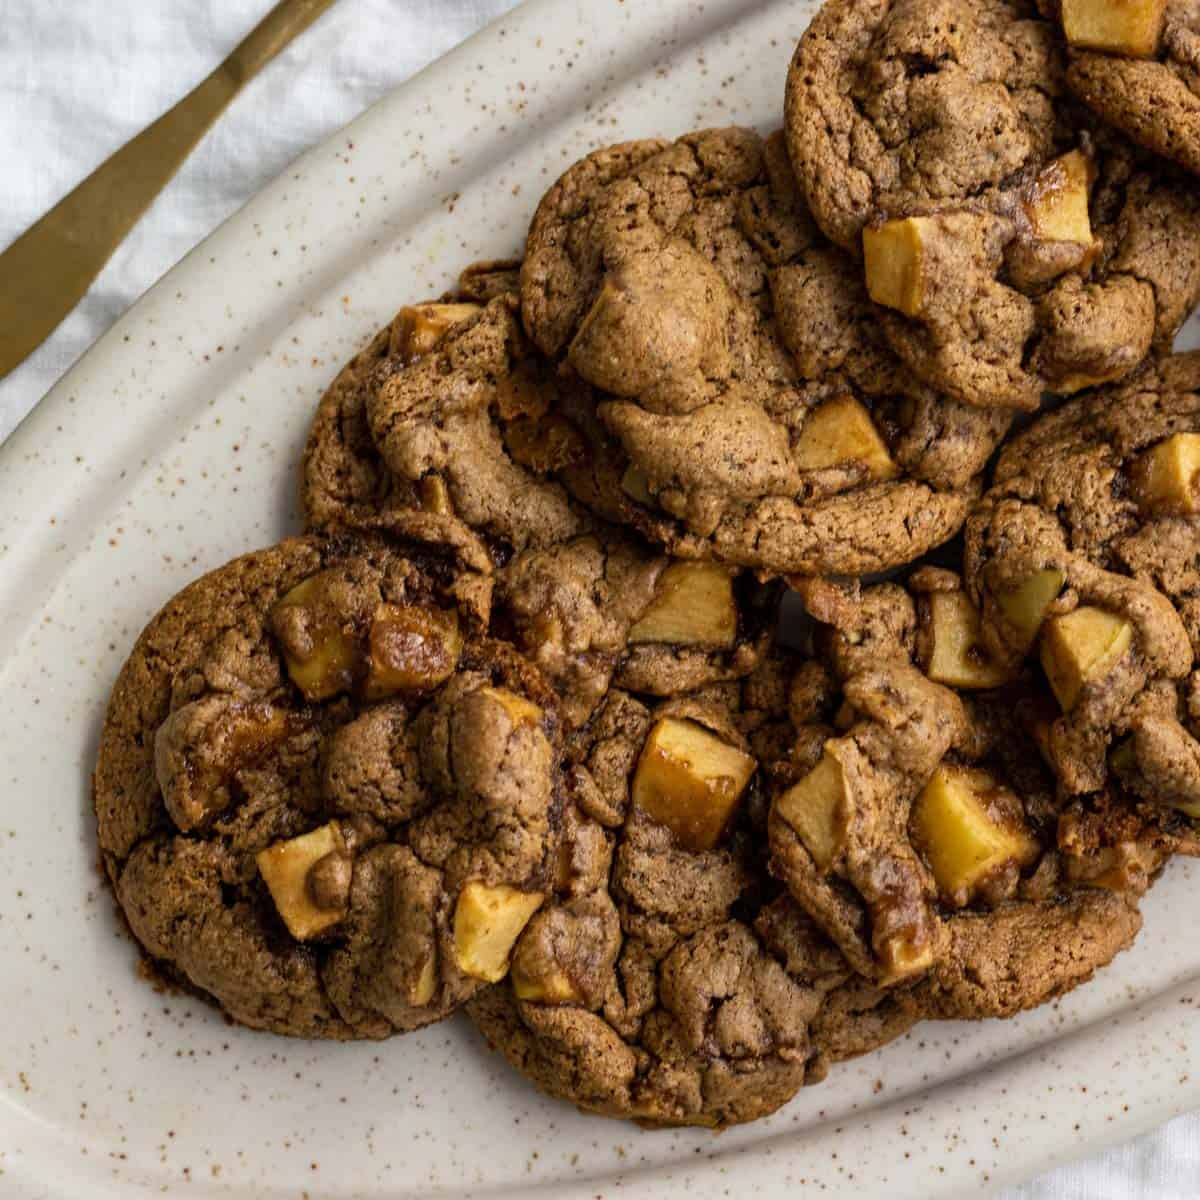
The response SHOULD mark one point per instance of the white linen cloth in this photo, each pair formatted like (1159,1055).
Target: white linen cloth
(78,80)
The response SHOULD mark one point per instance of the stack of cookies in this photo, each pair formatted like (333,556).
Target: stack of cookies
(700,666)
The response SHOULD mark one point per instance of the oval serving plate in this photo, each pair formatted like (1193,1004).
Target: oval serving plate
(171,447)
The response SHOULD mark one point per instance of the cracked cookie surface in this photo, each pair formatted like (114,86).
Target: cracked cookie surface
(1005,317)
(915,823)
(667,980)
(602,609)
(673,278)
(319,786)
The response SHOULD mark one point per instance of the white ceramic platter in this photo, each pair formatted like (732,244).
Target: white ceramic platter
(172,447)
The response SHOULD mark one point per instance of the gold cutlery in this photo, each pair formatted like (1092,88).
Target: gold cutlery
(47,270)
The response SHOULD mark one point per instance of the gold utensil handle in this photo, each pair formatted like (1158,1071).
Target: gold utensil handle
(47,270)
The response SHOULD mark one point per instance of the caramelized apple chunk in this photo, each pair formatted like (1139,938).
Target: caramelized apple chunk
(968,828)
(902,957)
(818,809)
(692,606)
(1130,27)
(1026,605)
(423,989)
(418,329)
(840,432)
(435,496)
(1166,478)
(412,648)
(200,747)
(894,257)
(956,655)
(309,880)
(487,923)
(1057,203)
(1081,647)
(691,781)
(321,647)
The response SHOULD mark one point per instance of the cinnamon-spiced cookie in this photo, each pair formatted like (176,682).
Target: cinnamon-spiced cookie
(896,103)
(344,482)
(471,432)
(604,609)
(1018,247)
(649,274)
(325,799)
(917,825)
(1085,559)
(667,981)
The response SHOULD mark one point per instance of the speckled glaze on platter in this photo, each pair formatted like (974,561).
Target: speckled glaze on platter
(171,448)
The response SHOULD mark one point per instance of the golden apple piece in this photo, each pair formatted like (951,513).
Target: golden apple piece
(963,823)
(194,778)
(692,606)
(435,496)
(840,432)
(411,648)
(1166,478)
(901,957)
(689,780)
(957,656)
(555,987)
(636,486)
(818,809)
(1026,605)
(1131,27)
(309,880)
(1068,385)
(894,258)
(426,984)
(417,330)
(321,650)
(487,923)
(1057,204)
(1080,647)
(520,711)
(544,443)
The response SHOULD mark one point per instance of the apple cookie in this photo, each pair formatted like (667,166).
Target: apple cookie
(1016,248)
(1084,559)
(648,274)
(665,980)
(472,423)
(326,800)
(1137,65)
(915,825)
